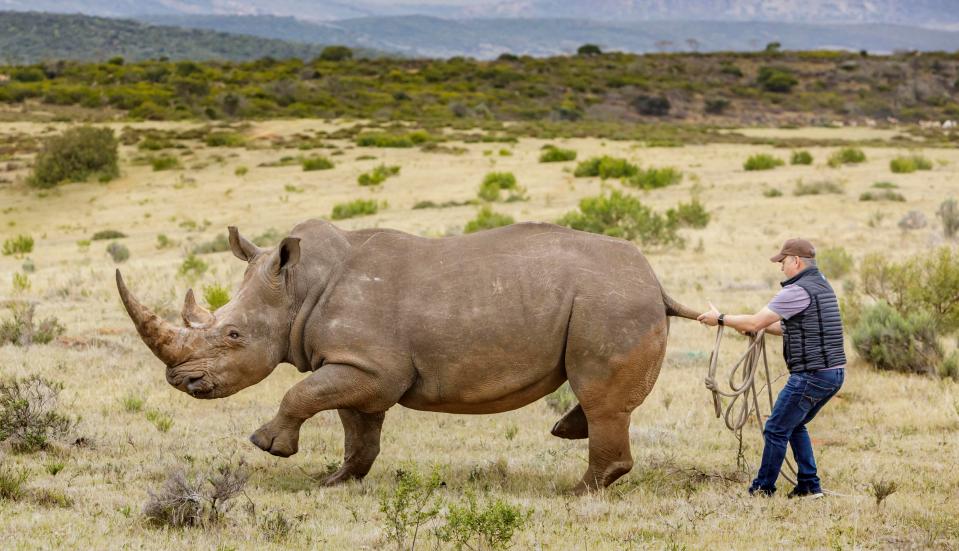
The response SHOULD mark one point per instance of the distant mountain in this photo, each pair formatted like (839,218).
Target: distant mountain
(928,13)
(485,37)
(31,37)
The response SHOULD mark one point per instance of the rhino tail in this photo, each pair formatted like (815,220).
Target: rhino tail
(676,309)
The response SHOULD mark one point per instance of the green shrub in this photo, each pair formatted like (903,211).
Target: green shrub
(834,262)
(776,79)
(154,143)
(29,419)
(885,185)
(621,216)
(21,283)
(490,527)
(561,399)
(605,167)
(553,154)
(884,195)
(654,178)
(949,369)
(772,192)
(316,163)
(409,506)
(336,53)
(928,282)
(688,215)
(949,213)
(164,162)
(716,106)
(132,403)
(903,165)
(12,482)
(18,246)
(215,296)
(801,158)
(652,106)
(160,420)
(21,330)
(892,341)
(357,207)
(219,244)
(487,219)
(378,175)
(76,155)
(241,171)
(192,267)
(846,156)
(822,187)
(383,139)
(762,161)
(495,182)
(118,252)
(107,234)
(224,139)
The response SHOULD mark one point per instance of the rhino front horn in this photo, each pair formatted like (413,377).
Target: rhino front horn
(165,340)
(193,314)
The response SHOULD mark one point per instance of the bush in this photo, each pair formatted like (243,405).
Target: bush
(904,165)
(561,399)
(621,216)
(688,215)
(846,156)
(553,154)
(76,155)
(224,139)
(487,219)
(762,161)
(118,252)
(653,106)
(491,527)
(378,175)
(192,267)
(409,506)
(12,482)
(884,195)
(924,283)
(823,187)
(18,246)
(219,244)
(199,500)
(357,207)
(164,162)
(892,341)
(885,185)
(716,106)
(605,167)
(495,182)
(316,163)
(589,50)
(382,139)
(107,234)
(772,192)
(801,158)
(654,178)
(834,262)
(29,420)
(216,296)
(20,330)
(776,79)
(949,213)
(336,53)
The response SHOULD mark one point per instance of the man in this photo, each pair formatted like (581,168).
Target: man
(806,313)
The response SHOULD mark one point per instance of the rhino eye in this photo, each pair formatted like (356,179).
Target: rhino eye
(233,335)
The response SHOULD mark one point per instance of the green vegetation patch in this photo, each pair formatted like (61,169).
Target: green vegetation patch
(352,209)
(76,155)
(762,161)
(378,175)
(605,167)
(905,165)
(654,178)
(487,219)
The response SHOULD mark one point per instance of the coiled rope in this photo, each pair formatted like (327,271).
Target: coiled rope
(742,385)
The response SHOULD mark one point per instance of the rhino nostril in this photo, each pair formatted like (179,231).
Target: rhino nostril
(192,382)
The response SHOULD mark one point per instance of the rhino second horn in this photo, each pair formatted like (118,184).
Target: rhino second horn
(167,341)
(193,314)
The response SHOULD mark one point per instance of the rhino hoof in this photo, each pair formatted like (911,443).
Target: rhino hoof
(274,444)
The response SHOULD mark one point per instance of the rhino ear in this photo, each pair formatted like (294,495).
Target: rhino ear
(242,248)
(287,254)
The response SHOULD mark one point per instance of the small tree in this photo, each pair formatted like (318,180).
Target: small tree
(589,50)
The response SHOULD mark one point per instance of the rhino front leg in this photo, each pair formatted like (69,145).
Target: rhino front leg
(361,433)
(334,386)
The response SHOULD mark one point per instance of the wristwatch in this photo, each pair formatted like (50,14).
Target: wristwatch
(720,319)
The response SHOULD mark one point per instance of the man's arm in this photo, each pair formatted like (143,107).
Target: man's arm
(745,323)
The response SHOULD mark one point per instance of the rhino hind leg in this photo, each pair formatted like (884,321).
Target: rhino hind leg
(573,425)
(361,433)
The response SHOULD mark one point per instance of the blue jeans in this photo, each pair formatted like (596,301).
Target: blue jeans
(798,402)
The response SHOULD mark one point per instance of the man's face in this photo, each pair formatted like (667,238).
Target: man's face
(790,266)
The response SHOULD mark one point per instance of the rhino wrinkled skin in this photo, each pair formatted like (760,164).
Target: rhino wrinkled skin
(479,323)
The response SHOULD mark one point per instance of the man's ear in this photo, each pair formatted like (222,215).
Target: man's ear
(287,254)
(241,247)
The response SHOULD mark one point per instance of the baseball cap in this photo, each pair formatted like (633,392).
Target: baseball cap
(795,247)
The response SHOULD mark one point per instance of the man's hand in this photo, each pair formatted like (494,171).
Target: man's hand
(710,318)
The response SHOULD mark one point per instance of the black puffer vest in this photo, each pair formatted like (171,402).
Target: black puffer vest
(812,339)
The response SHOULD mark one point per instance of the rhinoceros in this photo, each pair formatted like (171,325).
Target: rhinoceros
(480,323)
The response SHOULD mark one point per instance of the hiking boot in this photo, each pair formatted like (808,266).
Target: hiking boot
(805,493)
(761,492)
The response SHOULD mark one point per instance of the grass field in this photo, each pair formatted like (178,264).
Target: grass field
(685,490)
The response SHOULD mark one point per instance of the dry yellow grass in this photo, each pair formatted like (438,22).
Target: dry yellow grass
(881,425)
